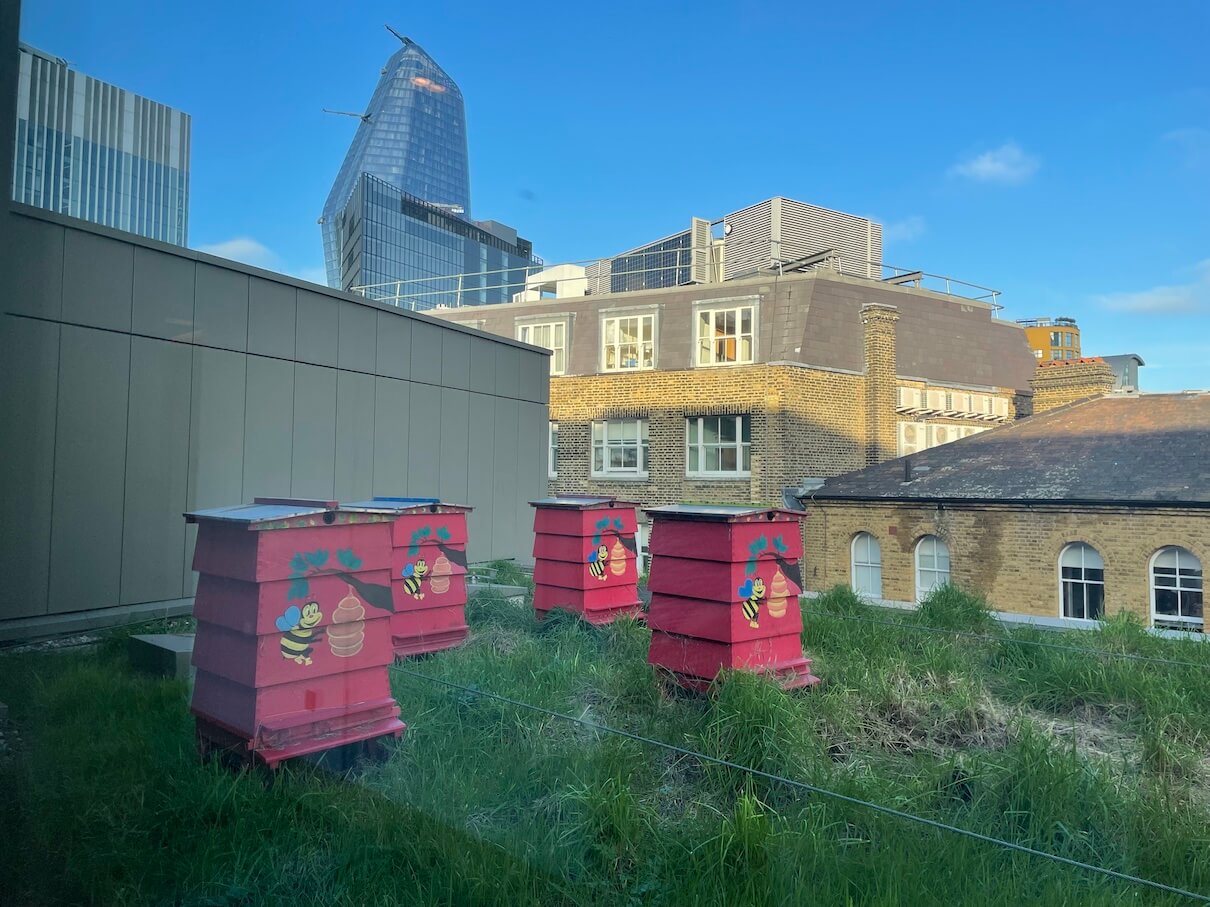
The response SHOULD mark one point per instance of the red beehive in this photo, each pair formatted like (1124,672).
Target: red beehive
(585,557)
(293,634)
(428,572)
(724,593)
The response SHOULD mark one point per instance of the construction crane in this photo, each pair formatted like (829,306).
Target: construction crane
(364,117)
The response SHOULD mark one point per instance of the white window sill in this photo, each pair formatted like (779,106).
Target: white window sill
(719,476)
(725,364)
(632,368)
(620,476)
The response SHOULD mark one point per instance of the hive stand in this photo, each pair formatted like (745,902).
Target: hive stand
(724,594)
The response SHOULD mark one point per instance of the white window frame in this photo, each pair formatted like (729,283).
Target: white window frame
(1176,620)
(712,311)
(605,443)
(617,319)
(872,562)
(1083,548)
(552,449)
(558,352)
(742,448)
(933,541)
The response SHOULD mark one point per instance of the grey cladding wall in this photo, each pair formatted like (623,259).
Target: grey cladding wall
(143,381)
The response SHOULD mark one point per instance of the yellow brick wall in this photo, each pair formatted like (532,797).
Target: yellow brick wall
(1010,554)
(805,423)
(1066,381)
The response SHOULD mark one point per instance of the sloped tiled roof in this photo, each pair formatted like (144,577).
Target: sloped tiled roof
(1139,449)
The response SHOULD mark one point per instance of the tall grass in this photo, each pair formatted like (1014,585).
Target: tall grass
(1076,753)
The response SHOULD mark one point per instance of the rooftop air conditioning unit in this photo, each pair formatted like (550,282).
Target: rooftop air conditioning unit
(911,437)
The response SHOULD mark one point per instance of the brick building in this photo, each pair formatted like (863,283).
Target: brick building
(1089,509)
(732,392)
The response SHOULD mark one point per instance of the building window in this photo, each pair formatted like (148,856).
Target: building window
(725,335)
(718,446)
(1176,588)
(1082,582)
(867,565)
(932,565)
(552,451)
(553,336)
(629,343)
(619,448)
(1054,338)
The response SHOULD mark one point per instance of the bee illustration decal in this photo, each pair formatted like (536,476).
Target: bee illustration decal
(597,561)
(298,632)
(413,574)
(753,593)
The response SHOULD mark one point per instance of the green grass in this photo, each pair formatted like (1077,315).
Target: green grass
(1095,758)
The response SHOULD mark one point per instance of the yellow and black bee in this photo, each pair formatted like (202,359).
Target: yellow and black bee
(413,574)
(753,593)
(597,561)
(298,632)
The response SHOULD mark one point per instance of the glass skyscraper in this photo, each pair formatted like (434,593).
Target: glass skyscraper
(97,152)
(399,210)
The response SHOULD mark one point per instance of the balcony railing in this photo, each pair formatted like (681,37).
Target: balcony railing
(686,266)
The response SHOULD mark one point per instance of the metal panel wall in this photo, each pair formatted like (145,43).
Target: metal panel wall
(149,380)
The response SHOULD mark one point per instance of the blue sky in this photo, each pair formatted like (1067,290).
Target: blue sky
(1057,152)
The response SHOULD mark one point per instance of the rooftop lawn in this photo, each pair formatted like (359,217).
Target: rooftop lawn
(1101,759)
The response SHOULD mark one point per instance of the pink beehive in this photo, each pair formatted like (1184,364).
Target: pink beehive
(724,593)
(293,629)
(428,572)
(585,557)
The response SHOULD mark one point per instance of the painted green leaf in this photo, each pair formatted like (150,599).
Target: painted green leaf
(602,524)
(297,563)
(779,544)
(443,534)
(617,522)
(348,558)
(299,589)
(317,558)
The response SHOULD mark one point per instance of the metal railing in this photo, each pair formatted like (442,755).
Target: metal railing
(676,267)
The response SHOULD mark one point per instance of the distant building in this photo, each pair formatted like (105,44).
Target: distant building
(1088,510)
(1125,370)
(91,150)
(732,392)
(1052,338)
(396,225)
(778,230)
(423,257)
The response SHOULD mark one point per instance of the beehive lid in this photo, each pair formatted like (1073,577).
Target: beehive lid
(263,510)
(581,502)
(720,512)
(391,505)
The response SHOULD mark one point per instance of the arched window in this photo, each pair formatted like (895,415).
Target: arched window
(867,565)
(1176,588)
(1082,582)
(932,565)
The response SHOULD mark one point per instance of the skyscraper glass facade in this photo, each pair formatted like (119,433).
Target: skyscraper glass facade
(421,256)
(413,137)
(97,152)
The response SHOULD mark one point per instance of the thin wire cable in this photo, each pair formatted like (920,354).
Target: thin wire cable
(821,791)
(1008,639)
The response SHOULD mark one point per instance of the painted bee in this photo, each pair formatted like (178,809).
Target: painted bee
(413,574)
(752,592)
(298,632)
(597,561)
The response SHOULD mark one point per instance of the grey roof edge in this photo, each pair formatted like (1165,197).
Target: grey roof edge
(23,210)
(821,496)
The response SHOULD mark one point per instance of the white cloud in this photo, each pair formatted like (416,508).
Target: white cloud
(1008,165)
(1164,300)
(313,274)
(904,230)
(245,249)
